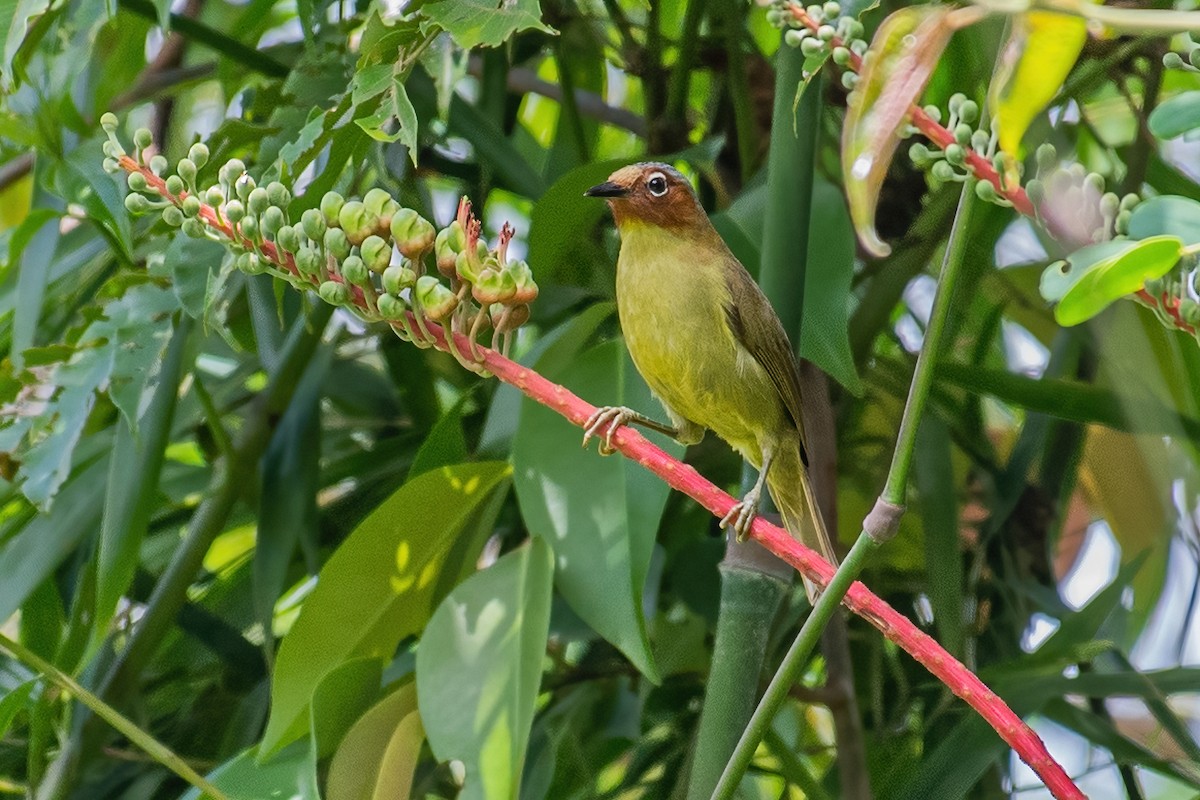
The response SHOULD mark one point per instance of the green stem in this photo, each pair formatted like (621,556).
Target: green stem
(738,85)
(689,44)
(753,583)
(154,748)
(893,495)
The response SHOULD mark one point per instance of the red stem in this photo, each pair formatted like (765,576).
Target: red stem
(683,477)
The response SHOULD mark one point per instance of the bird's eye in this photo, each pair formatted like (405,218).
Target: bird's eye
(657,184)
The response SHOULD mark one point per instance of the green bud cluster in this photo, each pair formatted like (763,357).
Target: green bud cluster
(952,163)
(368,255)
(1071,190)
(820,31)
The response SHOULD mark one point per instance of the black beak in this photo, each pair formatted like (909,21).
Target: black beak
(606,189)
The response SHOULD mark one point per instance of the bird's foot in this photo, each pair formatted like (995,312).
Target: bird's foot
(613,417)
(742,515)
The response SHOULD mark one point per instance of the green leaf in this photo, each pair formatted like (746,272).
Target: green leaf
(599,514)
(394,105)
(903,53)
(83,180)
(1059,277)
(194,266)
(1169,215)
(378,756)
(1112,279)
(444,445)
(485,23)
(1039,54)
(340,698)
(386,578)
(14,702)
(15,16)
(479,667)
(1176,116)
(244,777)
(939,517)
(291,479)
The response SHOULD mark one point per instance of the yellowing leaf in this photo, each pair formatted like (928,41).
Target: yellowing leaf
(1040,52)
(895,71)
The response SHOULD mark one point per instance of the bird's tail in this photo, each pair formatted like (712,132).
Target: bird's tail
(792,490)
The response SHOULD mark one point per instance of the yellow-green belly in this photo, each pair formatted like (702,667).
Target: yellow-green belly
(672,310)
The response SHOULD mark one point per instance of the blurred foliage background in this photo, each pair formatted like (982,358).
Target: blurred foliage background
(186,448)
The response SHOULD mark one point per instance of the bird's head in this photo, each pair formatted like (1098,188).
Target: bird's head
(651,194)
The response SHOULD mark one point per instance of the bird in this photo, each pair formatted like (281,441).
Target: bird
(708,344)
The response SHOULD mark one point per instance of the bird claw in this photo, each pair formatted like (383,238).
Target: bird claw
(741,516)
(612,416)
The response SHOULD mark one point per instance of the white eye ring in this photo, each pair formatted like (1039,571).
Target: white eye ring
(657,184)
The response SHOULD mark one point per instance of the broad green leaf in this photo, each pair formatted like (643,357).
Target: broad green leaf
(82,179)
(599,514)
(378,756)
(1040,52)
(14,702)
(339,700)
(1116,277)
(1166,215)
(1176,116)
(382,583)
(1059,277)
(244,777)
(132,492)
(485,23)
(15,16)
(479,668)
(193,265)
(444,445)
(291,479)
(903,53)
(395,106)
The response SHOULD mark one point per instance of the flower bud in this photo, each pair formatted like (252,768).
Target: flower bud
(980,141)
(313,222)
(955,154)
(136,182)
(198,154)
(933,112)
(137,204)
(234,211)
(397,278)
(251,264)
(214,196)
(391,307)
(336,243)
(111,166)
(849,80)
(334,293)
(243,186)
(272,221)
(985,191)
(1122,224)
(1189,309)
(962,133)
(1047,157)
(111,149)
(232,170)
(378,202)
(376,253)
(355,271)
(174,185)
(108,121)
(1094,182)
(158,165)
(186,169)
(493,286)
(194,228)
(508,319)
(527,288)
(794,38)
(413,234)
(1110,204)
(1036,191)
(815,13)
(172,216)
(1129,201)
(811,47)
(859,48)
(288,238)
(249,228)
(968,111)
(831,9)
(1173,60)
(919,154)
(257,201)
(435,299)
(142,138)
(826,33)
(308,260)
(449,243)
(356,221)
(331,206)
(278,194)
(841,56)
(942,171)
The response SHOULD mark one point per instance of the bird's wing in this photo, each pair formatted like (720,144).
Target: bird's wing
(755,325)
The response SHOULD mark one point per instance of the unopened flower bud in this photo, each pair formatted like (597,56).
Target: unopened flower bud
(158,164)
(1122,224)
(1047,157)
(335,293)
(841,56)
(962,133)
(933,112)
(137,204)
(955,154)
(272,221)
(795,37)
(111,166)
(308,260)
(355,271)
(1036,191)
(1129,201)
(243,187)
(493,286)
(313,223)
(942,171)
(1189,309)
(278,194)
(376,201)
(968,111)
(257,201)
(173,216)
(831,9)
(919,154)
(232,170)
(336,243)
(376,253)
(397,278)
(1194,58)
(811,47)
(435,299)
(288,238)
(980,141)
(249,228)
(826,33)
(449,243)
(356,221)
(136,182)
(214,196)
(142,138)
(251,264)
(985,191)
(391,307)
(1173,60)
(235,211)
(194,228)
(849,80)
(1110,204)
(108,121)
(413,234)
(526,286)
(331,206)
(186,169)
(174,185)
(506,319)
(1094,182)
(198,154)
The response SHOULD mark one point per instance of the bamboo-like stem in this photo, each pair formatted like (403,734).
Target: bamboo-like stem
(154,748)
(683,477)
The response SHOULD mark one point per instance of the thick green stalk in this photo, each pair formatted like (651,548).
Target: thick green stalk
(154,748)
(753,584)
(880,524)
